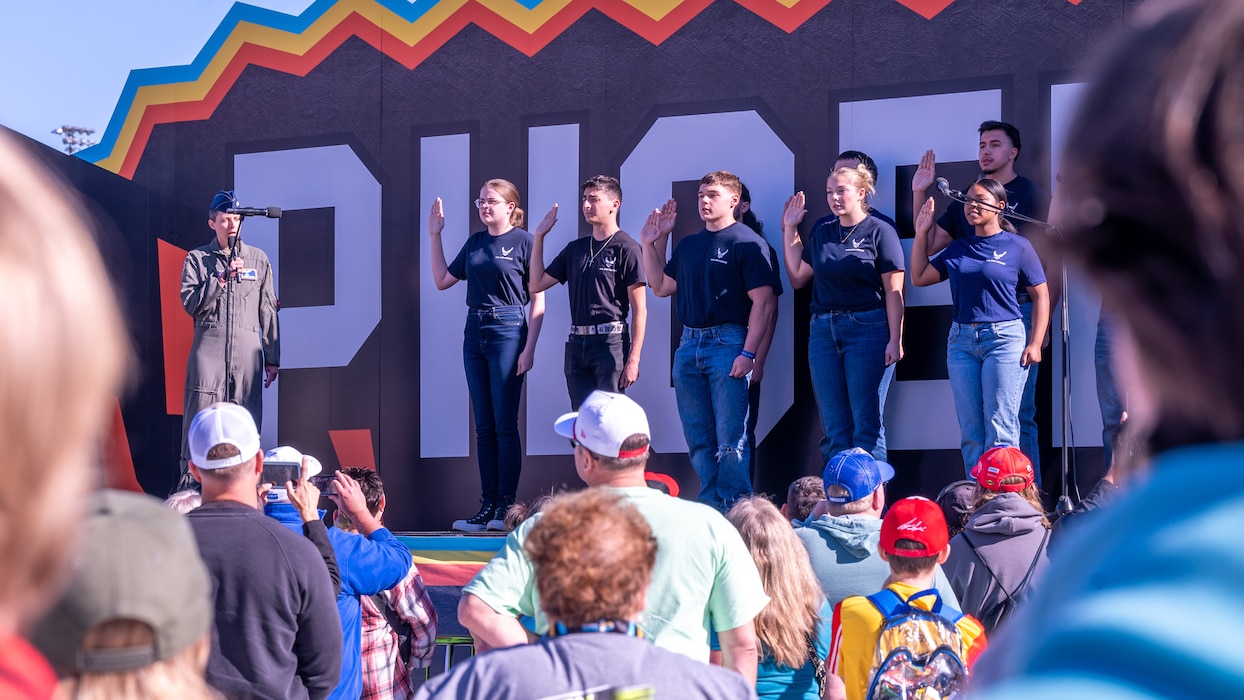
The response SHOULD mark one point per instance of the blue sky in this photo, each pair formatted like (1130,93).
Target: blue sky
(66,61)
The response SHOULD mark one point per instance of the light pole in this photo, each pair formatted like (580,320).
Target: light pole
(74,137)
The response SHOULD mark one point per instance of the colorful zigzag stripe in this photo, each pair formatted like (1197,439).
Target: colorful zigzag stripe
(407,32)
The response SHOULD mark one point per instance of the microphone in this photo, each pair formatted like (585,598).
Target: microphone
(270,212)
(944,186)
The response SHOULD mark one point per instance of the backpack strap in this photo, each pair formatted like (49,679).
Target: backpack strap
(1031,567)
(818,665)
(398,624)
(890,604)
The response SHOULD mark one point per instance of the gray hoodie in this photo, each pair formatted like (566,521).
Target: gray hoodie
(844,557)
(1007,531)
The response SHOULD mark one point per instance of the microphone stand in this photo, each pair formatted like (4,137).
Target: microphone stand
(1064,505)
(230,385)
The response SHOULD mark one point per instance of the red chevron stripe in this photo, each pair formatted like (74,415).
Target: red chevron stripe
(788,19)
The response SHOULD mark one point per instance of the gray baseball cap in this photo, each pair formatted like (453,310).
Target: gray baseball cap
(137,560)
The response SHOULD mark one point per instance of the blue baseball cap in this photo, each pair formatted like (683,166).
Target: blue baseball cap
(856,471)
(223,200)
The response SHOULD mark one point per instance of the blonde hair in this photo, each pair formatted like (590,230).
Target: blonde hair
(184,501)
(65,348)
(509,193)
(179,676)
(859,505)
(859,176)
(795,597)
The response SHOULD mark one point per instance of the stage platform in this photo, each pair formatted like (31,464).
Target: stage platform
(447,561)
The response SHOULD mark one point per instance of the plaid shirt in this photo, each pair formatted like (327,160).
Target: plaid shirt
(385,677)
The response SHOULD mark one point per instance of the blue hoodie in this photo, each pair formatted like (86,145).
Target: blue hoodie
(368,566)
(844,557)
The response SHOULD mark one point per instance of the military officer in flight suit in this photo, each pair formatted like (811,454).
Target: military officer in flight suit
(228,283)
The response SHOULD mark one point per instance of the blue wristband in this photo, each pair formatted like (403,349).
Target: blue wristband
(748,355)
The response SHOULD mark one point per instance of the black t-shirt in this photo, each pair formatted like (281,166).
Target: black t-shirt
(715,270)
(598,276)
(777,270)
(848,263)
(885,219)
(495,268)
(1022,196)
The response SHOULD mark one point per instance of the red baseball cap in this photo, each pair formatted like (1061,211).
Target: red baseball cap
(914,518)
(999,463)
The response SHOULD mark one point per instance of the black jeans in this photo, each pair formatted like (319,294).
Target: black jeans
(594,362)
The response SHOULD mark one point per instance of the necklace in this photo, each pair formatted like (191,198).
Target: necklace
(591,246)
(846,233)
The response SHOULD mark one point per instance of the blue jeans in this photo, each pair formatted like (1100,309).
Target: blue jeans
(987,381)
(1028,443)
(1108,398)
(846,355)
(713,409)
(594,362)
(491,343)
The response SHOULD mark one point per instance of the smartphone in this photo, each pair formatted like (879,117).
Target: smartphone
(325,483)
(277,473)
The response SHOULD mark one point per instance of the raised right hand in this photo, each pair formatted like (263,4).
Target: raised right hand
(925,174)
(436,219)
(793,213)
(546,224)
(651,232)
(668,213)
(924,218)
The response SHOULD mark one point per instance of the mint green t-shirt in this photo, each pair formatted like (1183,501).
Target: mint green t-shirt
(704,576)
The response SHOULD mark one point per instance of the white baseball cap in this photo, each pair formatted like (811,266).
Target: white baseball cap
(285,453)
(603,423)
(222,424)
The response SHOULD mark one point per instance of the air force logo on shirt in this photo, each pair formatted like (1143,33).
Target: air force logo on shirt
(857,246)
(505,253)
(609,263)
(997,257)
(720,256)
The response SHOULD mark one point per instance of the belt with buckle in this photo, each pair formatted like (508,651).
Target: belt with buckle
(599,329)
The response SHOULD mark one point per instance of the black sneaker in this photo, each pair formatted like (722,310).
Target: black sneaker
(477,522)
(497,521)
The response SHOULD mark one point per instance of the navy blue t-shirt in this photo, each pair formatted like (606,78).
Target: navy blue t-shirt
(715,270)
(847,263)
(495,268)
(599,276)
(1022,197)
(984,273)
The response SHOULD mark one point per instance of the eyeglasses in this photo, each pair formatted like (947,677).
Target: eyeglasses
(481,203)
(573,443)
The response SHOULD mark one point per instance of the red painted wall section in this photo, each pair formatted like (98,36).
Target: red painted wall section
(354,448)
(178,327)
(115,454)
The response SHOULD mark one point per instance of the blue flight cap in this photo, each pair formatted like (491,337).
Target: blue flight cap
(223,200)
